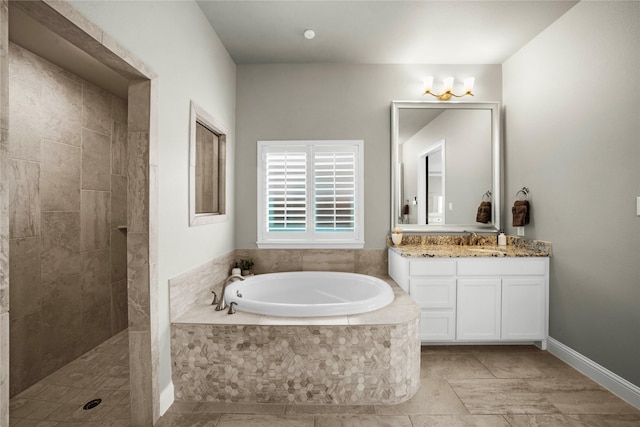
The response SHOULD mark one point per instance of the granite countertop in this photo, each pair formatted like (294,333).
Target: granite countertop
(465,246)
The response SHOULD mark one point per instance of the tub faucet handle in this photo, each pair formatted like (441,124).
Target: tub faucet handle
(215,298)
(232,308)
(221,303)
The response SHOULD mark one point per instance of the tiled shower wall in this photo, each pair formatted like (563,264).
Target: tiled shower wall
(68,192)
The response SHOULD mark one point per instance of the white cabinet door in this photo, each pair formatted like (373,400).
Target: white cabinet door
(478,311)
(523,308)
(437,325)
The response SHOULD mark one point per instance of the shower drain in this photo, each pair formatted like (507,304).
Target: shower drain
(91,404)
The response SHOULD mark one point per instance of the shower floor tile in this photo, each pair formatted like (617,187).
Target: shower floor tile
(460,386)
(58,400)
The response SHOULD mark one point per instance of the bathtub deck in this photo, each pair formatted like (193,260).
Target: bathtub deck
(369,358)
(401,310)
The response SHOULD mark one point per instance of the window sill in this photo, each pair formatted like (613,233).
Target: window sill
(310,245)
(205,219)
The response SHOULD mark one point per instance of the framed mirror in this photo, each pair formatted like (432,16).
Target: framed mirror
(207,169)
(445,160)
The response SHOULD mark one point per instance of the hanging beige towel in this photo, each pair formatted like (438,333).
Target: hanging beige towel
(484,213)
(520,211)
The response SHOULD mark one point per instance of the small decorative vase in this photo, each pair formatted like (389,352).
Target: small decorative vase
(396,238)
(247,273)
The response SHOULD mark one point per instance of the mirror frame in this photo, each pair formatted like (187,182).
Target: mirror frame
(199,115)
(496,168)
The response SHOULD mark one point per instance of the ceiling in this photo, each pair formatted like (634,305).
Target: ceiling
(353,31)
(379,32)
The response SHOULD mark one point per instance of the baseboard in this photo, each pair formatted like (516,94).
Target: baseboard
(614,383)
(166,398)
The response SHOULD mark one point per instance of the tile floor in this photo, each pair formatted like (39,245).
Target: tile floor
(58,399)
(460,386)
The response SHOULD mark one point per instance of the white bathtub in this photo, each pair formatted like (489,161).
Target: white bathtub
(309,294)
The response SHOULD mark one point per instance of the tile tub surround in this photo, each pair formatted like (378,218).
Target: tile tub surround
(194,286)
(370,358)
(364,261)
(68,257)
(458,246)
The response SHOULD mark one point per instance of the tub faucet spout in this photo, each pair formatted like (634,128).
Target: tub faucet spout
(221,304)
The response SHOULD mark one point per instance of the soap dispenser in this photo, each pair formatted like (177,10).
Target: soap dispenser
(502,239)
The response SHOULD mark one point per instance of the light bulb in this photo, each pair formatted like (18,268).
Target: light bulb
(468,84)
(428,83)
(448,84)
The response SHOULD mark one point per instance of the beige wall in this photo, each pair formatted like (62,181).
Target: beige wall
(334,101)
(572,109)
(174,39)
(67,177)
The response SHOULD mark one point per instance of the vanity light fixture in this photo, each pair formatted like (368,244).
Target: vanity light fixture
(447,88)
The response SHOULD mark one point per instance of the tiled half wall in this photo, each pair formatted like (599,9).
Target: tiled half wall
(297,363)
(349,365)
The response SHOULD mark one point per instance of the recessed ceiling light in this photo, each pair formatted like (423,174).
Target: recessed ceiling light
(309,34)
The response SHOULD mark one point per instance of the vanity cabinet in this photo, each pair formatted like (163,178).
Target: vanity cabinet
(479,299)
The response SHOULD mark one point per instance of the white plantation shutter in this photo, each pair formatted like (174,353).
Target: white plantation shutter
(310,194)
(286,191)
(334,189)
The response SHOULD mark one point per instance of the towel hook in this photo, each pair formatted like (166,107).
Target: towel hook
(524,192)
(487,195)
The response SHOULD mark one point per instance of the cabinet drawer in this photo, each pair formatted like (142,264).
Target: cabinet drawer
(432,267)
(434,293)
(437,326)
(525,267)
(502,267)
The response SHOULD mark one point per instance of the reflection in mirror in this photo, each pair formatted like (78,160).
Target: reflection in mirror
(207,169)
(446,156)
(431,185)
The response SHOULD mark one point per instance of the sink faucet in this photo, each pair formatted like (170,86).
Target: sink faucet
(472,238)
(221,304)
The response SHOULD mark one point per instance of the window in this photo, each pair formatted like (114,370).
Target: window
(207,169)
(310,194)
